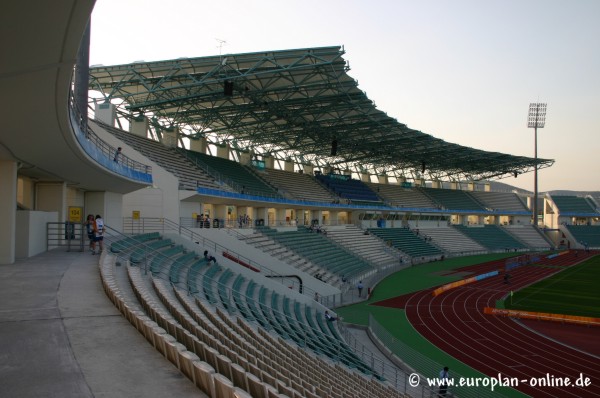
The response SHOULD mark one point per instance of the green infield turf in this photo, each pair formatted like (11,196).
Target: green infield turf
(574,291)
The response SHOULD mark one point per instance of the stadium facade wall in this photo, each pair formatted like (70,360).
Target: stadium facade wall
(31,232)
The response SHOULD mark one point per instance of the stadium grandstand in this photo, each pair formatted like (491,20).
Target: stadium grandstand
(245,198)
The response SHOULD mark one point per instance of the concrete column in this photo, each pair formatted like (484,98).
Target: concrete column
(220,212)
(246,158)
(199,145)
(487,186)
(316,215)
(223,151)
(169,137)
(471,186)
(280,216)
(334,217)
(25,192)
(108,204)
(52,196)
(298,217)
(269,163)
(364,177)
(436,184)
(309,169)
(106,113)
(241,211)
(454,185)
(140,126)
(8,209)
(288,165)
(262,213)
(383,179)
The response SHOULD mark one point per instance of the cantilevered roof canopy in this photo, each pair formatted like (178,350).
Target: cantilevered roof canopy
(293,104)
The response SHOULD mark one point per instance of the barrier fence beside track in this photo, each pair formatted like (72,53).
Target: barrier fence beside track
(425,367)
(576,319)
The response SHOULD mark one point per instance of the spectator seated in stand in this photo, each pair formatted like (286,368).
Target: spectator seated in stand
(329,317)
(209,258)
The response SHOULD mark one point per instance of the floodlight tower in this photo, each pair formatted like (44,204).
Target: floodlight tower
(536,119)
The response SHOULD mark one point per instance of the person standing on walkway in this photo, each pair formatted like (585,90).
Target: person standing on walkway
(89,227)
(98,234)
(360,288)
(118,153)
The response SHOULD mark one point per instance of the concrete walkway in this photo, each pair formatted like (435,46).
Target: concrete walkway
(60,336)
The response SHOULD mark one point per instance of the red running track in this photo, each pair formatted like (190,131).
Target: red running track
(454,321)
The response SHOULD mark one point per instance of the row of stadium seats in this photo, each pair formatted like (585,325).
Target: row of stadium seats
(241,177)
(453,199)
(348,188)
(451,240)
(286,315)
(364,246)
(574,204)
(190,177)
(406,241)
(332,258)
(492,237)
(587,234)
(160,334)
(218,286)
(299,186)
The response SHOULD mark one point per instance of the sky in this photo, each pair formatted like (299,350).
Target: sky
(464,71)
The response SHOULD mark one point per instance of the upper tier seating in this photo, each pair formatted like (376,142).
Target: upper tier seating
(589,234)
(406,241)
(453,199)
(233,173)
(452,240)
(491,237)
(507,201)
(402,197)
(347,188)
(298,186)
(573,204)
(170,159)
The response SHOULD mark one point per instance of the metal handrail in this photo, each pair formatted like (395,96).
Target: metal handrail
(424,365)
(83,130)
(65,234)
(148,224)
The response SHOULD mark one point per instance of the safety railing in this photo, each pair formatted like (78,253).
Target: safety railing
(65,234)
(102,152)
(144,224)
(425,367)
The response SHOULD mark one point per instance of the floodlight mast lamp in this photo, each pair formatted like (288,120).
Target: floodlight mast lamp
(536,119)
